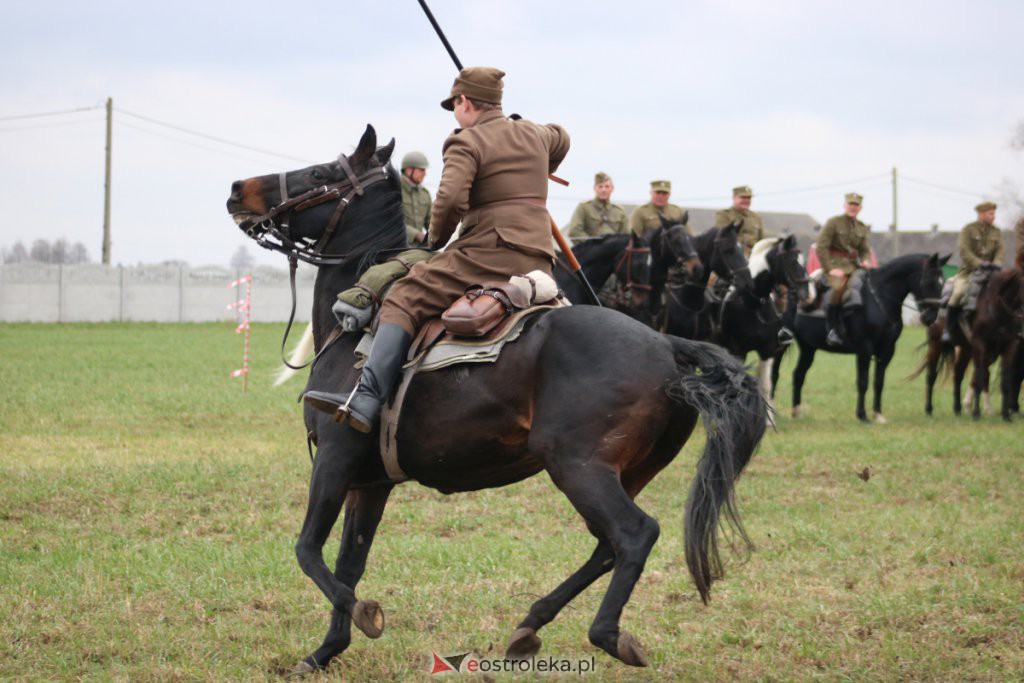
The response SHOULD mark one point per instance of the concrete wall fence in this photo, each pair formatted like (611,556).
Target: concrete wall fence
(38,292)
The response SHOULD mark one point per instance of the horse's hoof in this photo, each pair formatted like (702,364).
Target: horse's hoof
(523,644)
(369,617)
(880,419)
(301,669)
(796,412)
(630,650)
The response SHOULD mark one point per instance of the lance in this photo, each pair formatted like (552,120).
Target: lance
(563,244)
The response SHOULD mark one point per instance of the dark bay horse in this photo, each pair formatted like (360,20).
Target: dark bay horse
(872,330)
(627,257)
(551,402)
(995,332)
(688,310)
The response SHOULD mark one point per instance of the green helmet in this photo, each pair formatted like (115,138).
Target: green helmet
(414,160)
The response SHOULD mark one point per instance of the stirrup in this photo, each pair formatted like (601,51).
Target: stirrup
(332,404)
(833,338)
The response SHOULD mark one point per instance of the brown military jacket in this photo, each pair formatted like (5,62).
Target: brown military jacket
(595,217)
(495,180)
(646,218)
(1019,229)
(752,231)
(416,207)
(843,243)
(979,242)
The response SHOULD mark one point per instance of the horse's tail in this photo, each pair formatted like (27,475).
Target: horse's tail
(299,355)
(734,416)
(943,362)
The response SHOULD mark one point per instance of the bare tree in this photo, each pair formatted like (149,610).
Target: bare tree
(78,253)
(39,251)
(1017,141)
(16,254)
(59,251)
(242,260)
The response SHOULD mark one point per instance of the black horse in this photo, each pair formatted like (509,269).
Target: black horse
(552,402)
(627,257)
(750,320)
(689,308)
(673,259)
(872,330)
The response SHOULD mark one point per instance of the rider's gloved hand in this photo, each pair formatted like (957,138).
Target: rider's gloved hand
(351,318)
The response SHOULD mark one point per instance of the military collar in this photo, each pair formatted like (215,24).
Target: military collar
(406,181)
(601,203)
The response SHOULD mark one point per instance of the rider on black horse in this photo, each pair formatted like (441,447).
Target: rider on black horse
(844,251)
(495,182)
(981,249)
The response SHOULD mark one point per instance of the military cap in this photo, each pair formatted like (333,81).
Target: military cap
(854,198)
(477,83)
(601,177)
(661,185)
(985,206)
(414,160)
(742,191)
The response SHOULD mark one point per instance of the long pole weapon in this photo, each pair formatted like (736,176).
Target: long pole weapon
(563,244)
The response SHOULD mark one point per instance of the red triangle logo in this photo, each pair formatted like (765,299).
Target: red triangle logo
(440,665)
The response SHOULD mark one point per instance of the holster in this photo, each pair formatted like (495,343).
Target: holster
(481,308)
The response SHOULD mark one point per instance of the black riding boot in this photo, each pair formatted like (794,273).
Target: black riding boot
(952,320)
(377,381)
(832,324)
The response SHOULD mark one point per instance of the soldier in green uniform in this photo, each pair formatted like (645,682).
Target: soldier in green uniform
(415,198)
(844,250)
(752,230)
(648,217)
(980,244)
(598,216)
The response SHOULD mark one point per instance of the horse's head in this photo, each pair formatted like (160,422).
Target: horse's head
(927,290)
(727,259)
(634,269)
(676,248)
(302,211)
(788,269)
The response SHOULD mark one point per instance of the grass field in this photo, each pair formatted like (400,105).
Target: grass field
(148,511)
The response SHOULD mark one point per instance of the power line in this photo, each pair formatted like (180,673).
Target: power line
(943,187)
(49,125)
(48,113)
(190,144)
(189,131)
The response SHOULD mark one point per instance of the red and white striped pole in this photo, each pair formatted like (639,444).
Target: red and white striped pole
(244,305)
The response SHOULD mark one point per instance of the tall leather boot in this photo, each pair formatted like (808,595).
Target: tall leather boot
(377,381)
(952,320)
(832,324)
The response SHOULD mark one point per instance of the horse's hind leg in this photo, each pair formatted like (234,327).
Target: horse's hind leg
(803,364)
(333,469)
(881,363)
(598,496)
(363,511)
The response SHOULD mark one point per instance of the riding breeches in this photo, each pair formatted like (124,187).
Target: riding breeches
(432,286)
(846,289)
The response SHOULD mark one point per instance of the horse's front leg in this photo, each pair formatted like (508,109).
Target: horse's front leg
(863,367)
(881,363)
(803,364)
(980,383)
(336,464)
(962,359)
(1008,379)
(363,511)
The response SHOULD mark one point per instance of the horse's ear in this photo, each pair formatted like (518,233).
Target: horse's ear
(944,259)
(685,219)
(632,232)
(365,149)
(665,225)
(384,153)
(789,242)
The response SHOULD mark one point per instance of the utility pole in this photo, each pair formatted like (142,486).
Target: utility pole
(106,183)
(895,216)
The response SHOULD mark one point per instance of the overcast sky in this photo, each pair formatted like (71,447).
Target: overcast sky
(782,95)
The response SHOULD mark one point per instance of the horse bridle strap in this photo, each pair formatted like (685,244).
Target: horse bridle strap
(628,261)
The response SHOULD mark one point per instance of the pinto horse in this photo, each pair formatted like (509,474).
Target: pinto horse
(551,402)
(627,257)
(750,320)
(995,332)
(872,330)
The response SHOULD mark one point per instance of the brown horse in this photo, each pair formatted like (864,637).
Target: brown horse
(599,401)
(993,331)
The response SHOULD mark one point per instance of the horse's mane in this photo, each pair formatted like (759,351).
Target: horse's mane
(758,260)
(383,210)
(585,247)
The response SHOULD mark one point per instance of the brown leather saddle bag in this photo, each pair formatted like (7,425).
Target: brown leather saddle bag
(482,308)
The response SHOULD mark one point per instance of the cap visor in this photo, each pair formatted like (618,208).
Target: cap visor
(449,103)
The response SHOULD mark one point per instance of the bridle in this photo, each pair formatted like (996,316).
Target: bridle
(687,260)
(627,260)
(271,230)
(728,266)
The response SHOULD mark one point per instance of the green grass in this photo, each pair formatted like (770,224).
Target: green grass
(148,510)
